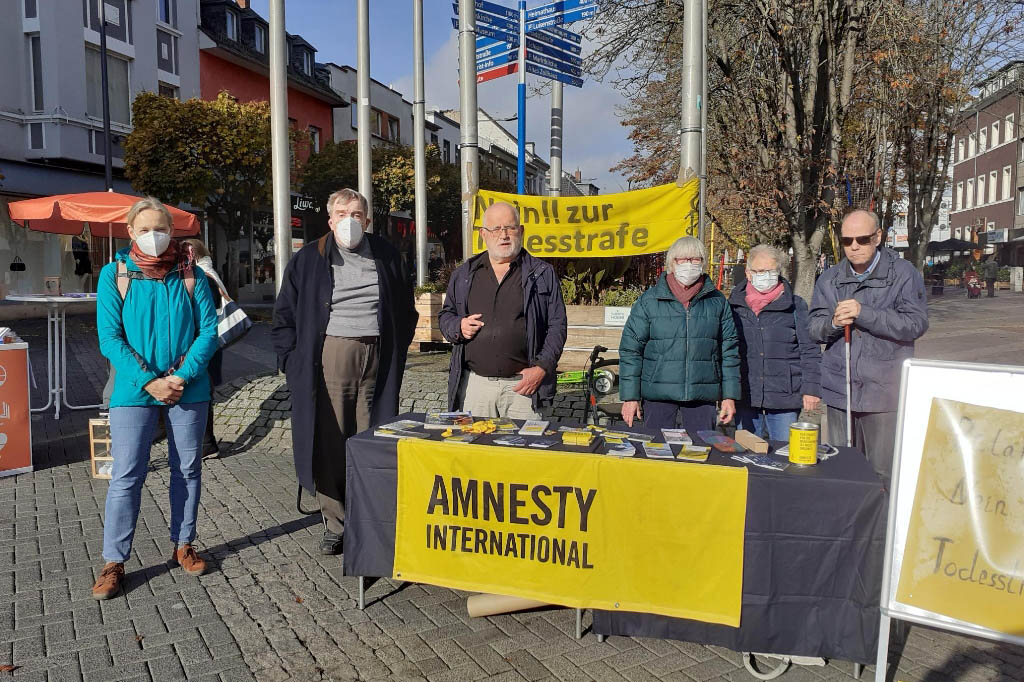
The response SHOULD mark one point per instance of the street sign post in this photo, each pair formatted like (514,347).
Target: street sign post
(497,72)
(551,74)
(548,39)
(550,63)
(491,8)
(498,60)
(558,19)
(490,32)
(553,52)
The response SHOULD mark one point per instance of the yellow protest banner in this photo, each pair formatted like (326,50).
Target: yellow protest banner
(623,224)
(580,530)
(964,555)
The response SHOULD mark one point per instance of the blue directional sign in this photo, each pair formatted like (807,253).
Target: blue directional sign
(557,43)
(511,25)
(564,18)
(483,42)
(558,7)
(560,32)
(491,32)
(550,74)
(498,60)
(493,50)
(544,60)
(493,8)
(553,52)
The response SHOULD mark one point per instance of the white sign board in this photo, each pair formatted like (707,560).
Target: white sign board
(616,316)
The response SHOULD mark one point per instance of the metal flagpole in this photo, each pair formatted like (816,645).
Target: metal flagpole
(692,89)
(420,116)
(108,178)
(557,117)
(468,149)
(703,119)
(279,143)
(521,91)
(363,96)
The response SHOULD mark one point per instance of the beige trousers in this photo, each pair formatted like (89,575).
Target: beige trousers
(490,397)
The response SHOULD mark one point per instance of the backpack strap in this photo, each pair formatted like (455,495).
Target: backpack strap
(123,280)
(189,275)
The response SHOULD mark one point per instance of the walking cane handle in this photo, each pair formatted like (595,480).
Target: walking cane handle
(846,332)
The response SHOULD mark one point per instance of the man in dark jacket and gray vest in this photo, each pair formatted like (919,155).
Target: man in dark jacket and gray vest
(343,322)
(506,320)
(882,298)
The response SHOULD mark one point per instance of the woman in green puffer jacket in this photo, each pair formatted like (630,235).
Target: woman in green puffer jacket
(679,352)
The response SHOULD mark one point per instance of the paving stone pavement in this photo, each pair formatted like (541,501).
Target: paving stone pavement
(273,609)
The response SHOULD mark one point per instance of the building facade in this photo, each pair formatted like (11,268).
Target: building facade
(499,153)
(390,113)
(988,171)
(51,114)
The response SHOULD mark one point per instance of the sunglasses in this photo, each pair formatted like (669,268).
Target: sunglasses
(863,240)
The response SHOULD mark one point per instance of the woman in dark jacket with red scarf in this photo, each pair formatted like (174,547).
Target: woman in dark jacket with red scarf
(781,367)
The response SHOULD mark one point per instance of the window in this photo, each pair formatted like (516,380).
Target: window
(119,92)
(960,149)
(981,190)
(37,74)
(393,129)
(1006,183)
(1009,131)
(307,62)
(166,52)
(447,152)
(35,135)
(433,139)
(118,14)
(959,196)
(259,38)
(165,11)
(983,141)
(969,202)
(993,185)
(354,110)
(314,139)
(31,12)
(972,145)
(166,90)
(995,134)
(231,25)
(376,123)
(96,144)
(1020,202)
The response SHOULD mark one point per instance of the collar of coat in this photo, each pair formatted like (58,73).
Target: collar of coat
(327,241)
(662,291)
(879,277)
(738,297)
(525,260)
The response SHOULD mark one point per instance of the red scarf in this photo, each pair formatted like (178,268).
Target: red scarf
(173,258)
(757,300)
(682,292)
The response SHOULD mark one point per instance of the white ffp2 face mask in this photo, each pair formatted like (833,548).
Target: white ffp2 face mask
(349,232)
(153,243)
(764,281)
(687,273)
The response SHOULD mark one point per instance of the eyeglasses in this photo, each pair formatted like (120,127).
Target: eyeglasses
(863,240)
(507,229)
(691,261)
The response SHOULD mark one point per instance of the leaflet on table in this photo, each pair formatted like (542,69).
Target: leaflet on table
(513,440)
(504,425)
(444,420)
(533,427)
(402,425)
(627,435)
(676,437)
(763,461)
(720,442)
(658,450)
(621,449)
(545,442)
(399,433)
(461,438)
(694,453)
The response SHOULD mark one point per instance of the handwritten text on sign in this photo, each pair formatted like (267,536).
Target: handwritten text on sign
(579,530)
(964,556)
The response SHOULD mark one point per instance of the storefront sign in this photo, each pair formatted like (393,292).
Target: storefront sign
(15,428)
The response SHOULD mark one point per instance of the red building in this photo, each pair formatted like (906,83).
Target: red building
(234,56)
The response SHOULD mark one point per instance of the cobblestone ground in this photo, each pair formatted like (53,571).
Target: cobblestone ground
(273,609)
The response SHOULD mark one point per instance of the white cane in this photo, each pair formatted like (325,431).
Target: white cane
(849,388)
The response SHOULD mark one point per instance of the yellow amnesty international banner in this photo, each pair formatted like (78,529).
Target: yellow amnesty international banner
(624,224)
(580,530)
(964,556)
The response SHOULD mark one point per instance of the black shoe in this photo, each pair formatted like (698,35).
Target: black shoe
(331,543)
(211,451)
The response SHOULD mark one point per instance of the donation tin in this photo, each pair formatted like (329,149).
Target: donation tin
(803,443)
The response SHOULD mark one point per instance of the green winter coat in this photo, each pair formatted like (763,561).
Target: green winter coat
(669,352)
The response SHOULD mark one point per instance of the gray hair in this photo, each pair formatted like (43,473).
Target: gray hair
(347,196)
(772,252)
(148,204)
(510,207)
(870,214)
(685,247)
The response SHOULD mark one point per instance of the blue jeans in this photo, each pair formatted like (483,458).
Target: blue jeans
(755,419)
(131,433)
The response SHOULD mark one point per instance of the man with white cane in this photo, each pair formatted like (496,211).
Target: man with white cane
(868,310)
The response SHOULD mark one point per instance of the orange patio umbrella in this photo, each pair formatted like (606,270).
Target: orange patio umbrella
(104,211)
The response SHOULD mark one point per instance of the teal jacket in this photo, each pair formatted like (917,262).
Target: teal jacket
(157,325)
(669,352)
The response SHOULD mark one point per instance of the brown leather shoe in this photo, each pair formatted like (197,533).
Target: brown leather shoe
(190,562)
(109,582)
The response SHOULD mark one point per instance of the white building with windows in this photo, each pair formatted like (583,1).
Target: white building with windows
(51,115)
(390,112)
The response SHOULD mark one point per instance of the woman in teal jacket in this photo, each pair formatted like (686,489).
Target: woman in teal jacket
(679,351)
(158,327)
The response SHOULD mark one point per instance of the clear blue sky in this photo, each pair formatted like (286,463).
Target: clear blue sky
(593,139)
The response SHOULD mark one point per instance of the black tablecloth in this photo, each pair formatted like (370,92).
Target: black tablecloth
(812,563)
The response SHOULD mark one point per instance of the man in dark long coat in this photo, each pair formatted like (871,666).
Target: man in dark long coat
(343,322)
